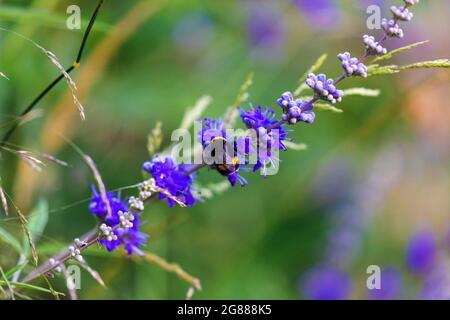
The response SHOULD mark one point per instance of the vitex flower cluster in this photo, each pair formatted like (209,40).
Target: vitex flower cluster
(229,155)
(119,222)
(266,134)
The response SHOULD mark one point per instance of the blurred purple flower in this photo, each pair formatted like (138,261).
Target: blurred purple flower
(421,251)
(320,14)
(173,178)
(266,29)
(437,282)
(325,284)
(391,285)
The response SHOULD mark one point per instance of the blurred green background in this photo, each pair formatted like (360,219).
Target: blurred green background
(386,157)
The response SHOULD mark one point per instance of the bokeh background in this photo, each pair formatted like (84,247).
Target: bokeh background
(371,189)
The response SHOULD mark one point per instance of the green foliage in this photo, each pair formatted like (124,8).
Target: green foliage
(438,63)
(376,69)
(365,92)
(213,189)
(38,219)
(8,284)
(6,237)
(195,112)
(395,52)
(16,268)
(154,139)
(295,146)
(27,286)
(232,112)
(327,107)
(37,222)
(316,66)
(13,13)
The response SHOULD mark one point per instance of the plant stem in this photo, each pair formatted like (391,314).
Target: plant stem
(75,65)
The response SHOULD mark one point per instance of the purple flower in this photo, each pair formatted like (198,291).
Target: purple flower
(266,30)
(173,178)
(421,251)
(437,282)
(322,14)
(211,130)
(269,135)
(131,238)
(391,285)
(324,88)
(99,208)
(325,284)
(295,110)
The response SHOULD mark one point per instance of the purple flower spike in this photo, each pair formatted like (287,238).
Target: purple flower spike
(268,140)
(126,225)
(171,177)
(391,28)
(436,285)
(391,285)
(373,47)
(402,14)
(352,66)
(324,88)
(421,251)
(99,208)
(325,284)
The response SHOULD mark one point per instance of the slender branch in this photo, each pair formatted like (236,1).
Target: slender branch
(75,65)
(172,267)
(89,238)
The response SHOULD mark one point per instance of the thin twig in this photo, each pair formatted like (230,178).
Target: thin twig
(75,65)
(172,267)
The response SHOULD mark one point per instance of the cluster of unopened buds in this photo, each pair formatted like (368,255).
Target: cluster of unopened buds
(372,46)
(55,265)
(295,110)
(145,189)
(391,28)
(324,88)
(126,219)
(402,14)
(352,66)
(75,252)
(108,232)
(137,204)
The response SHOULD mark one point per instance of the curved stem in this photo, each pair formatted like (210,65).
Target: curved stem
(75,65)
